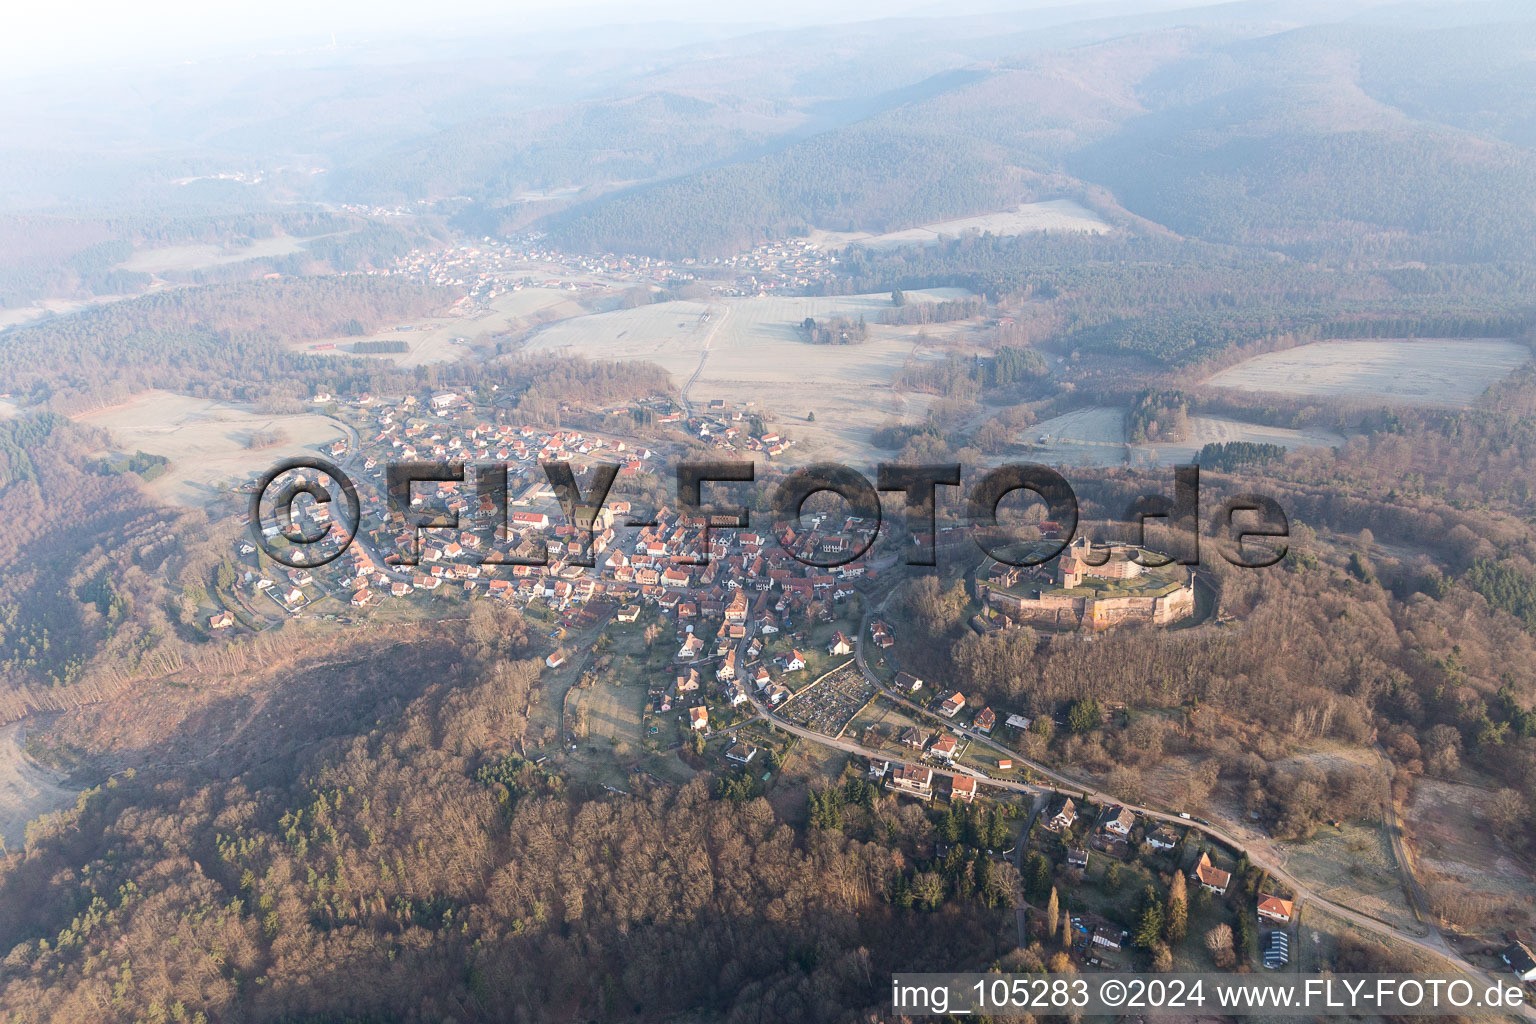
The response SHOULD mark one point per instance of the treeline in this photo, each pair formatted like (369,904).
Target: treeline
(1157,416)
(1183,338)
(967,376)
(145,464)
(1225,456)
(543,387)
(840,330)
(905,312)
(380,347)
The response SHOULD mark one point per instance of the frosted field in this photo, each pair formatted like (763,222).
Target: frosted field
(751,350)
(1083,437)
(1096,437)
(431,339)
(1430,371)
(193,257)
(671,334)
(753,341)
(205,440)
(1204,430)
(1053,215)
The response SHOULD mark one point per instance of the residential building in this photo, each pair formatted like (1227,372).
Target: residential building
(1211,877)
(1273,908)
(1063,818)
(913,779)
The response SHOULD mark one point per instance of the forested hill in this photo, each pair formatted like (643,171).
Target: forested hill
(853,180)
(1314,142)
(185,335)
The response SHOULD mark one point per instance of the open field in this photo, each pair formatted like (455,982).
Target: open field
(451,336)
(26,790)
(613,706)
(1052,215)
(1204,430)
(1428,371)
(1473,881)
(751,350)
(206,440)
(1095,436)
(1353,866)
(196,257)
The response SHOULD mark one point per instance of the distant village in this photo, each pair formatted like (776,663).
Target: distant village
(494,267)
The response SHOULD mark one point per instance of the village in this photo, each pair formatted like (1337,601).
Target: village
(737,652)
(495,267)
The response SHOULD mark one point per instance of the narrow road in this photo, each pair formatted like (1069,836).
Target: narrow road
(709,339)
(1262,856)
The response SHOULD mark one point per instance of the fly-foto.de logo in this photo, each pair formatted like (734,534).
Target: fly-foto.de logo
(311,533)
